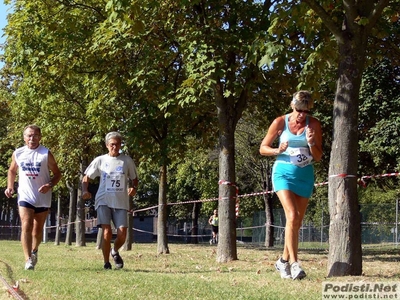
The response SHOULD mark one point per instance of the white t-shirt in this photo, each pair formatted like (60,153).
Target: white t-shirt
(114,173)
(33,172)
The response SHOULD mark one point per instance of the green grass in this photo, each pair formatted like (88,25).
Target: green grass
(188,272)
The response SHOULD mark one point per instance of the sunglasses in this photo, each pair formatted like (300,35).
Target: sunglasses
(302,111)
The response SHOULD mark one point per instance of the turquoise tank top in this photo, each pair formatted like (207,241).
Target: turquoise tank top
(295,141)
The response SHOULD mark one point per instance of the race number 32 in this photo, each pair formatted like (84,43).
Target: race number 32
(300,156)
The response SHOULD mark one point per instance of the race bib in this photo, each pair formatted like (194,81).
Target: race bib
(115,183)
(300,157)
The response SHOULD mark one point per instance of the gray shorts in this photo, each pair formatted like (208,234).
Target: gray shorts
(105,215)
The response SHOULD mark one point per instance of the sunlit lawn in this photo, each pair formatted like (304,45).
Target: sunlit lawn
(188,272)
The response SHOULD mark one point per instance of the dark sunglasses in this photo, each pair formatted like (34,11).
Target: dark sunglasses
(302,111)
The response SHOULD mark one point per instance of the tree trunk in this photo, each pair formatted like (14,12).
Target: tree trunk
(195,223)
(269,217)
(14,222)
(71,214)
(345,254)
(58,222)
(80,221)
(99,239)
(162,241)
(227,250)
(129,234)
(81,214)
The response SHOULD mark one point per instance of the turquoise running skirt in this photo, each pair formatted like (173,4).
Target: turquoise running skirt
(286,176)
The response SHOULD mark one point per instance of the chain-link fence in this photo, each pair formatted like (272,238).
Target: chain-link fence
(310,235)
(379,226)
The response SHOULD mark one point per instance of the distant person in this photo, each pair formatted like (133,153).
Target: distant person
(300,144)
(118,181)
(33,163)
(213,221)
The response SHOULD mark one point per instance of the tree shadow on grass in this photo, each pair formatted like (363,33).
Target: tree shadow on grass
(382,255)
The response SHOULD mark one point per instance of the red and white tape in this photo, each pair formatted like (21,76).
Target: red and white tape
(341,175)
(382,175)
(361,181)
(12,290)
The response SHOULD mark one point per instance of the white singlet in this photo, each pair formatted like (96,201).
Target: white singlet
(33,172)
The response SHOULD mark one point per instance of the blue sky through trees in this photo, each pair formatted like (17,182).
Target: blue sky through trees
(4,10)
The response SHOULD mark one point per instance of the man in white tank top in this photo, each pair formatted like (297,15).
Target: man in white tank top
(33,163)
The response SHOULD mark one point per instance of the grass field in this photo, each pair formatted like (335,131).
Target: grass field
(188,272)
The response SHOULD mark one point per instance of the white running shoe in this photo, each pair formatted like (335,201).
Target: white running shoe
(119,263)
(296,271)
(29,265)
(283,268)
